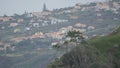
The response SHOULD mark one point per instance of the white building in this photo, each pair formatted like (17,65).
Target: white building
(36,25)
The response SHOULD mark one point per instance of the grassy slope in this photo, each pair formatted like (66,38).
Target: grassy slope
(107,42)
(106,47)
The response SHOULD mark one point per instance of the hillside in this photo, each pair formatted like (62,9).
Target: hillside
(26,39)
(99,52)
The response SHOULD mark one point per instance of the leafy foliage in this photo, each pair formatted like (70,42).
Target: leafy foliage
(75,35)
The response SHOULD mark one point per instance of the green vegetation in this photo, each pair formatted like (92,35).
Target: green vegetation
(74,36)
(99,52)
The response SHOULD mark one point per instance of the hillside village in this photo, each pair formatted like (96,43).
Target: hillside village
(35,39)
(56,23)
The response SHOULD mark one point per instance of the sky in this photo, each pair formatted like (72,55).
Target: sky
(9,7)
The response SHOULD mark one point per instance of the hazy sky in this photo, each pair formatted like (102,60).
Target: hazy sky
(10,7)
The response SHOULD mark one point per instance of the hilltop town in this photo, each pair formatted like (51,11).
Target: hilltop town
(93,19)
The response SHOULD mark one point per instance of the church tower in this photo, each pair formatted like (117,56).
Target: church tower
(44,7)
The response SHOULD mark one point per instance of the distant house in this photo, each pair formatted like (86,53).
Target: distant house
(67,11)
(69,28)
(36,13)
(54,43)
(91,27)
(20,20)
(55,20)
(116,5)
(6,18)
(27,28)
(46,13)
(16,30)
(103,5)
(83,9)
(40,14)
(44,23)
(80,25)
(80,30)
(13,24)
(36,25)
(74,17)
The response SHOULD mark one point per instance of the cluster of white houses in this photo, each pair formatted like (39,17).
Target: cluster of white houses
(60,34)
